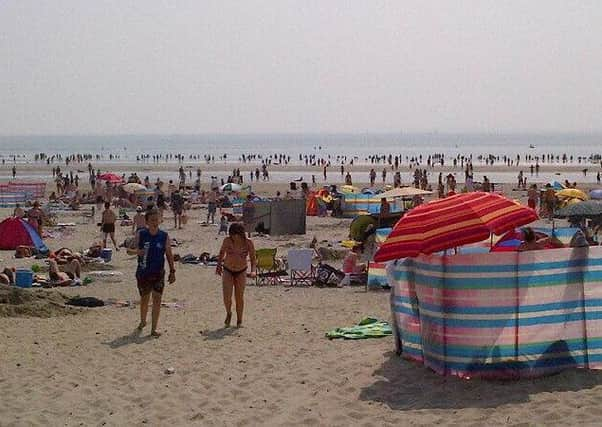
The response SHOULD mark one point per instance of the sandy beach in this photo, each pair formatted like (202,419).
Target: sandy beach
(92,368)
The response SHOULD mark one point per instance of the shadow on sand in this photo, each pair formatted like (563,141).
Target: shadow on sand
(219,334)
(134,337)
(405,385)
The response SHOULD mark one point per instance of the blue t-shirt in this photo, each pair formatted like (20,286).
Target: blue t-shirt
(153,260)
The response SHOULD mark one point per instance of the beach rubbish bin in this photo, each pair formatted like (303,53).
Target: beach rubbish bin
(106,254)
(23,277)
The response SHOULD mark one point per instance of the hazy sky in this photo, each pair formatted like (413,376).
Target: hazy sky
(299,66)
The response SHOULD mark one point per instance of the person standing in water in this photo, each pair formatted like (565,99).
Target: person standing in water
(153,247)
(232,266)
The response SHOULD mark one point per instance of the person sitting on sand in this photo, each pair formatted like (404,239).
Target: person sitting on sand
(351,265)
(18,212)
(153,247)
(139,221)
(232,266)
(66,274)
(531,243)
(108,225)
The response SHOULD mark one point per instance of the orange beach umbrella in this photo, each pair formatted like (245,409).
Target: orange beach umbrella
(454,221)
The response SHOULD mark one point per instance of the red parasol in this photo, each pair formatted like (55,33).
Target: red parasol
(111,177)
(451,222)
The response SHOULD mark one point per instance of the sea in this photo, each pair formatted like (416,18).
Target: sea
(585,149)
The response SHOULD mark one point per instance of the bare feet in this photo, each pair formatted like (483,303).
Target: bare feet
(141,325)
(228,320)
(155,334)
(239,324)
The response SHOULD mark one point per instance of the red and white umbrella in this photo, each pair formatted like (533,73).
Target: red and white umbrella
(451,222)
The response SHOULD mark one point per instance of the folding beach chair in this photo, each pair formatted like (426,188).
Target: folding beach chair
(302,272)
(268,272)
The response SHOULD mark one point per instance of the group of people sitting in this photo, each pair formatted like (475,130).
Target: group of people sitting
(64,269)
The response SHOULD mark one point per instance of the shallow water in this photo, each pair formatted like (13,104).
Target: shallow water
(328,146)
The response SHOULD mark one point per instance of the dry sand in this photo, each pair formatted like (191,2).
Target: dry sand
(92,369)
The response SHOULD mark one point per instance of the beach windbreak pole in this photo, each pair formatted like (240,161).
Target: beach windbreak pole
(454,221)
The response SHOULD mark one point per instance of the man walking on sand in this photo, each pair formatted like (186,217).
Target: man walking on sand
(108,225)
(211,206)
(153,247)
(177,206)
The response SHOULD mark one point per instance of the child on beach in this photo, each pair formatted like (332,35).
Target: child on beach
(223,225)
(139,220)
(153,247)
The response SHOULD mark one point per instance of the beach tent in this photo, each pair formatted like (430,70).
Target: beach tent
(596,194)
(17,232)
(556,185)
(361,204)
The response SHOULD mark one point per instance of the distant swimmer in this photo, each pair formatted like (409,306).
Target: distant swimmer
(531,146)
(299,180)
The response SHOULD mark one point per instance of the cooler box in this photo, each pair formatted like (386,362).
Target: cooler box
(106,254)
(23,278)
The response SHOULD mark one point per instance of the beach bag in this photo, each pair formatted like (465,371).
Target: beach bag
(94,251)
(24,251)
(327,275)
(129,243)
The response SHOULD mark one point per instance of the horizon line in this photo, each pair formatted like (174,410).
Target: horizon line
(317,133)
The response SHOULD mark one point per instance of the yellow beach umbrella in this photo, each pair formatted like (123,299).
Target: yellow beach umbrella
(572,193)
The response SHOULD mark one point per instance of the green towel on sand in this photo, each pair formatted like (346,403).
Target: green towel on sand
(366,328)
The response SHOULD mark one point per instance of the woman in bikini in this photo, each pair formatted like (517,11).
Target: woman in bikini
(232,266)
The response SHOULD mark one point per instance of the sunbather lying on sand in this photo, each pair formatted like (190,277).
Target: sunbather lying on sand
(65,255)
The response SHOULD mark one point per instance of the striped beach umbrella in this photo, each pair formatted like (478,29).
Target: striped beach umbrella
(454,221)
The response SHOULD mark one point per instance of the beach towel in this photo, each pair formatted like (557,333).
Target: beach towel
(85,302)
(368,327)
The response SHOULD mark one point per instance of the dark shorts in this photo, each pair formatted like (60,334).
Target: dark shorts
(154,283)
(177,211)
(211,207)
(108,228)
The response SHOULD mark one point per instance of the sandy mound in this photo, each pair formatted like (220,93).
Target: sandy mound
(17,302)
